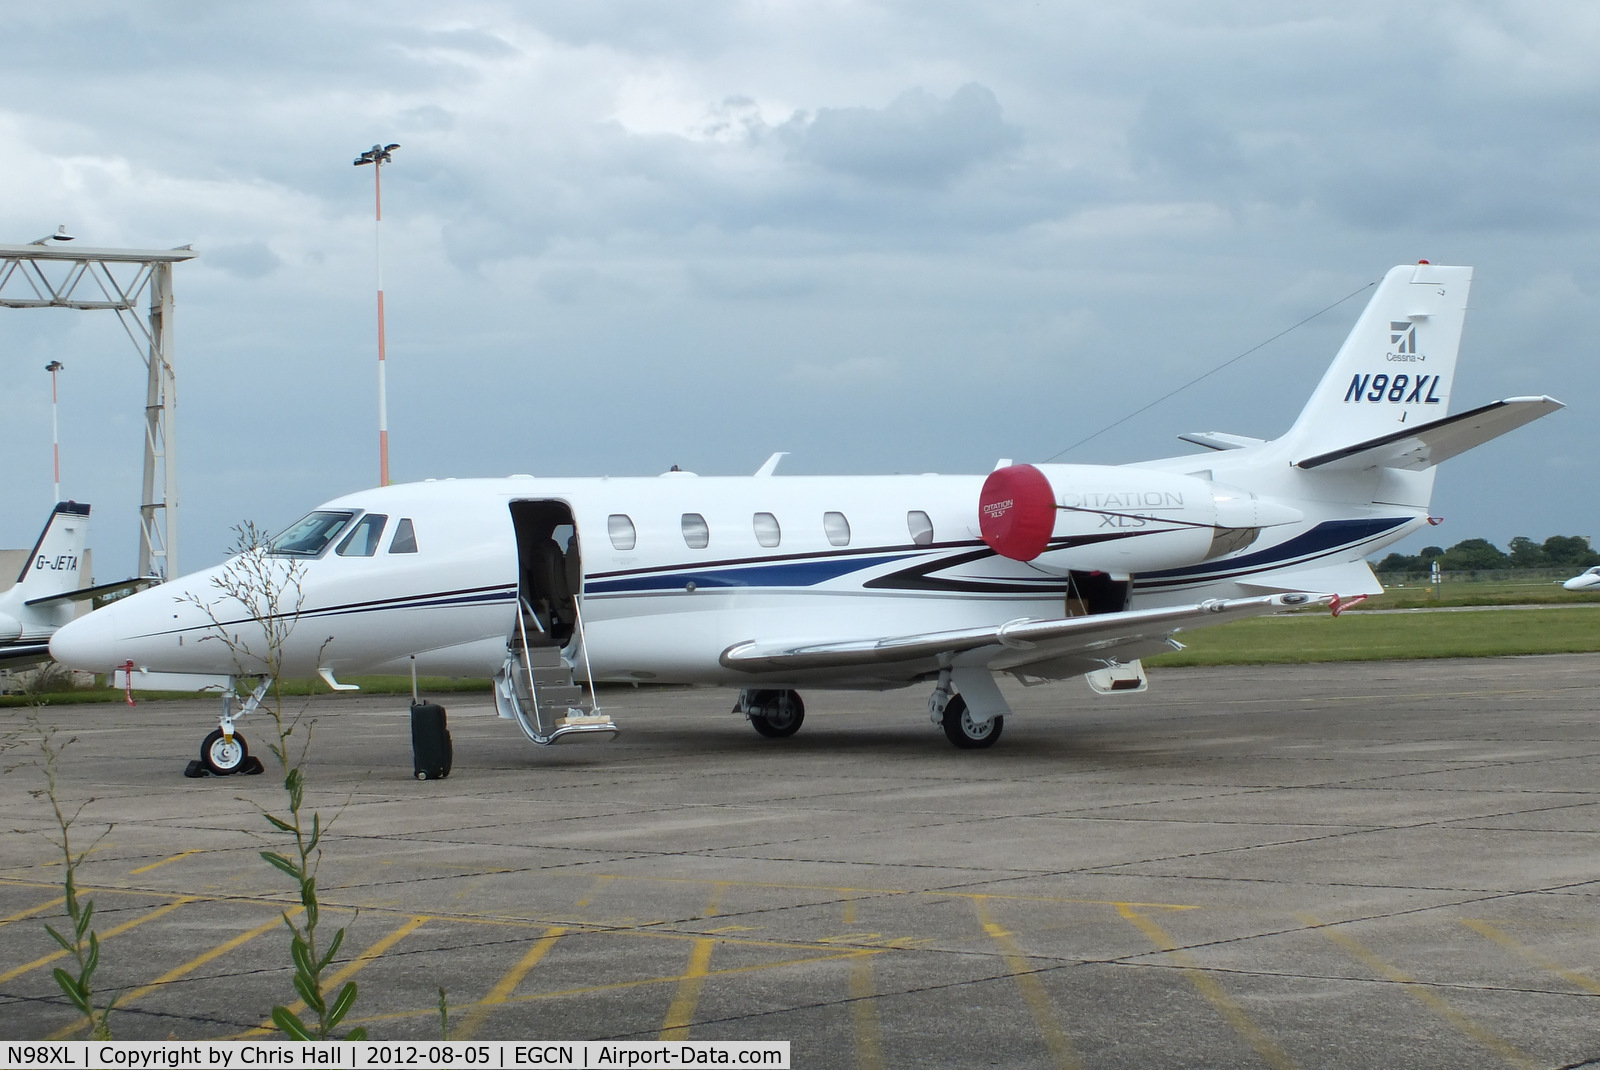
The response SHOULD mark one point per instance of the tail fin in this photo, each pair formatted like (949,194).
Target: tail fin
(1396,368)
(53,568)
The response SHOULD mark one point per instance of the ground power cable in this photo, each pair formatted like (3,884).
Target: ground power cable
(1206,375)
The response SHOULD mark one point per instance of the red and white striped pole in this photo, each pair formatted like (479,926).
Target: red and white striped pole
(377,156)
(55,428)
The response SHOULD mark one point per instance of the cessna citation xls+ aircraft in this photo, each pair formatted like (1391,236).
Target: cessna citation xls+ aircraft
(772,584)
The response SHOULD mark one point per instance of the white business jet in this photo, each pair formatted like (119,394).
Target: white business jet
(40,602)
(771,584)
(1584,580)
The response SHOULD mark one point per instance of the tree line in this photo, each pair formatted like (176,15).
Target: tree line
(1558,551)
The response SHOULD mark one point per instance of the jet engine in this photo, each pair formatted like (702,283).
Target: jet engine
(1066,517)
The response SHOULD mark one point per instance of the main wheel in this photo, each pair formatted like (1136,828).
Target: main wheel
(776,714)
(964,732)
(221,756)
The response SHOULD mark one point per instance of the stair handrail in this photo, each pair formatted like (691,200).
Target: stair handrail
(527,661)
(583,644)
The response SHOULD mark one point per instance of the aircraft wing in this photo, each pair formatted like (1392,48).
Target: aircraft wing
(1425,445)
(1091,641)
(15,653)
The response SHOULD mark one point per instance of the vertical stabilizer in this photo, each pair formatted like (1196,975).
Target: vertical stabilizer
(1397,366)
(54,567)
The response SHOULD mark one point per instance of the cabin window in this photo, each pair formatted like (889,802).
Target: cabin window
(405,538)
(363,538)
(310,535)
(837,528)
(921,527)
(622,532)
(768,533)
(695,532)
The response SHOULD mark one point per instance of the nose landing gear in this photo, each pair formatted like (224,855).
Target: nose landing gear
(224,752)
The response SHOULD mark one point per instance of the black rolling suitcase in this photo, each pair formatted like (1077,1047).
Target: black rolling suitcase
(431,749)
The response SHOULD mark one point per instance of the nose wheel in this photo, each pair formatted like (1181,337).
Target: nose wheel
(222,755)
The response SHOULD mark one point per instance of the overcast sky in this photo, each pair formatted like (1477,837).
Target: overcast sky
(886,237)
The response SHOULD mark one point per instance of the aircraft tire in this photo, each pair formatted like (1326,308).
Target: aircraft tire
(964,732)
(779,719)
(223,758)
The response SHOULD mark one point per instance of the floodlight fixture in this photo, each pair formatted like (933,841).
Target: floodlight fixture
(62,235)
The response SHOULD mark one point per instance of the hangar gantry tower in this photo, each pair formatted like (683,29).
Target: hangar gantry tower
(45,274)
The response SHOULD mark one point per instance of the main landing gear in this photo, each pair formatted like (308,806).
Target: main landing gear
(951,712)
(963,731)
(775,714)
(224,752)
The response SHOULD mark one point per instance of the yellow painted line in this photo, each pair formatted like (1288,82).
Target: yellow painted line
(618,986)
(681,1013)
(714,904)
(1214,993)
(107,935)
(350,969)
(31,911)
(864,1016)
(164,861)
(1062,1051)
(1424,994)
(1484,929)
(508,984)
(184,970)
(599,884)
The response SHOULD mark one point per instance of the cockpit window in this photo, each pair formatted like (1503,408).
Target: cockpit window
(310,535)
(363,538)
(405,538)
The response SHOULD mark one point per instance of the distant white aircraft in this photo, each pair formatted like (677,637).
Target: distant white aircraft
(1584,580)
(50,581)
(771,584)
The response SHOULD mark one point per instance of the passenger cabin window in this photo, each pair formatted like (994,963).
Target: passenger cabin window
(837,528)
(363,538)
(768,533)
(695,532)
(623,534)
(310,535)
(921,527)
(405,538)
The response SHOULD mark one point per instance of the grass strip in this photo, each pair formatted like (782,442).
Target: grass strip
(1300,639)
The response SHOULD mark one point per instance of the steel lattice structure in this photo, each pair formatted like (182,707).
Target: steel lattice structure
(55,276)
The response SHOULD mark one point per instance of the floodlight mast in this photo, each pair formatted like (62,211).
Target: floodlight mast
(46,275)
(377,156)
(53,368)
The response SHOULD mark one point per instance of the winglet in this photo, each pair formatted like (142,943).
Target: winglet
(772,464)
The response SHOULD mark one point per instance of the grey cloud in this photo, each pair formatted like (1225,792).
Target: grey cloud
(917,140)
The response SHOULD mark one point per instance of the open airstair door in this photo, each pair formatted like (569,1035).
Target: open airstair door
(536,686)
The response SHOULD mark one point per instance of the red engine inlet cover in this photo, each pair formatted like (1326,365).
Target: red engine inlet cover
(1017,512)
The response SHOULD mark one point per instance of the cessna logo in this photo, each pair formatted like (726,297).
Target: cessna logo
(996,510)
(1403,336)
(1401,389)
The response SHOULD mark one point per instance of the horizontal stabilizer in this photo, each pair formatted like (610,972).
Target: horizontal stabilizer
(1427,444)
(1220,440)
(127,587)
(1100,638)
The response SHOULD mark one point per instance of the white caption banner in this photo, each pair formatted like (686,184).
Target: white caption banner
(232,1054)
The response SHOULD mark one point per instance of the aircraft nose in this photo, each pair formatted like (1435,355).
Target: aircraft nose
(88,643)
